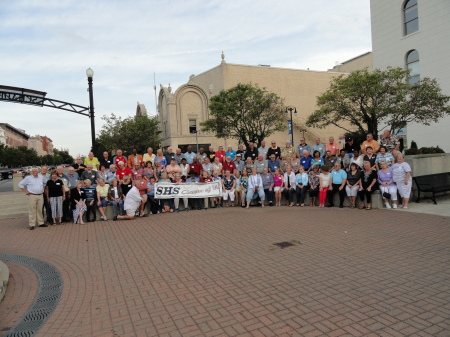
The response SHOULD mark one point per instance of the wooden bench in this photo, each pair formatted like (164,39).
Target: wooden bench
(432,183)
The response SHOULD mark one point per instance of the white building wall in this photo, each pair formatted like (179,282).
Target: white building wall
(432,41)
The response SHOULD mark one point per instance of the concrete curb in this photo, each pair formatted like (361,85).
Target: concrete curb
(4,277)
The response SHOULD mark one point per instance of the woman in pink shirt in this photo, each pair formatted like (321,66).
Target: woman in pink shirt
(277,183)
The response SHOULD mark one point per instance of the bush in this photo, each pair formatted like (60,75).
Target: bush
(428,150)
(412,151)
(413,145)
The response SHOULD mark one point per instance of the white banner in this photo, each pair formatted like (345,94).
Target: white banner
(188,190)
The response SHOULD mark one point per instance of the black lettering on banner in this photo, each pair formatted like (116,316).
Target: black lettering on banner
(159,190)
(176,190)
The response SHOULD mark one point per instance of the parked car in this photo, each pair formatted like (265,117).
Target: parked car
(6,174)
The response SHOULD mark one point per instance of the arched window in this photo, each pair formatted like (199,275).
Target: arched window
(411,16)
(413,64)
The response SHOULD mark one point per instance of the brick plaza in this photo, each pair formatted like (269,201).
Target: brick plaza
(217,273)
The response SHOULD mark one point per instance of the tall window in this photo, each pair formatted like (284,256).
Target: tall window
(411,16)
(413,64)
(192,126)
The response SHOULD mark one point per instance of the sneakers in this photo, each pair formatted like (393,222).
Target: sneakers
(186,209)
(389,206)
(177,210)
(394,206)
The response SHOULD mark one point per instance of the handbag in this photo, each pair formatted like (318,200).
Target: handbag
(386,195)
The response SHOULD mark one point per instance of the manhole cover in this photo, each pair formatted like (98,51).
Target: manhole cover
(284,244)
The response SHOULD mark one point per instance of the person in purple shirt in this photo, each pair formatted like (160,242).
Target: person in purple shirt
(387,185)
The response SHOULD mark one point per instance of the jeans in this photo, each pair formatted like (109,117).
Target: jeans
(301,193)
(153,204)
(251,194)
(314,192)
(269,195)
(115,204)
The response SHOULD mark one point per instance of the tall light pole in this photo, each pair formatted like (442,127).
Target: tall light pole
(196,138)
(90,74)
(291,122)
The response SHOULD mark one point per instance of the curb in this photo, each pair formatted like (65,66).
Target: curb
(4,277)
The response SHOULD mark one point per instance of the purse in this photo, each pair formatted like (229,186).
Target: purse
(386,195)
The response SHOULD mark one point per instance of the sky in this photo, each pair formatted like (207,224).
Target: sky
(48,45)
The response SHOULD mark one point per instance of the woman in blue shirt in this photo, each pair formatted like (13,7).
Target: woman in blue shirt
(301,183)
(316,159)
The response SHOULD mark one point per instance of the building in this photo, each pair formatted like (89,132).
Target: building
(47,145)
(36,143)
(181,112)
(14,137)
(141,110)
(414,34)
(359,62)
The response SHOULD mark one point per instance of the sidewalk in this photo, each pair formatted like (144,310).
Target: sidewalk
(217,273)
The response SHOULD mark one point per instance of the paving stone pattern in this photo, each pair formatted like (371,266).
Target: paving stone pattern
(217,273)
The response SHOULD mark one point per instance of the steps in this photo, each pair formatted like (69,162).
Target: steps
(13,205)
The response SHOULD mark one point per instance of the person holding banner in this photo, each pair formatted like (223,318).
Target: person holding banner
(255,186)
(205,178)
(228,185)
(178,180)
(162,207)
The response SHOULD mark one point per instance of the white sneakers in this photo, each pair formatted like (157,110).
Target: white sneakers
(103,217)
(394,206)
(387,205)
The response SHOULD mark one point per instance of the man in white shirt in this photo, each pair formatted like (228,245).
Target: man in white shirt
(132,202)
(255,186)
(33,186)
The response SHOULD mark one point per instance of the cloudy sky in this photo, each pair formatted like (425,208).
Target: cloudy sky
(48,45)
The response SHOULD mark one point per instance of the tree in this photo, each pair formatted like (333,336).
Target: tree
(137,132)
(366,100)
(246,113)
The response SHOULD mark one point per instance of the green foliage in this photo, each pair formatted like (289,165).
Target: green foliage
(246,113)
(364,100)
(413,145)
(423,150)
(412,151)
(137,132)
(22,156)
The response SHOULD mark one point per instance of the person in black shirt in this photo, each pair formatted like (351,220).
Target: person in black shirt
(90,194)
(351,147)
(79,166)
(211,154)
(252,152)
(106,161)
(54,191)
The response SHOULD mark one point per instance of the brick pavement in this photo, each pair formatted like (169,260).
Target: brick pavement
(217,273)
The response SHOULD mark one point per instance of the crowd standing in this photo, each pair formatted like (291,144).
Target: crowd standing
(248,176)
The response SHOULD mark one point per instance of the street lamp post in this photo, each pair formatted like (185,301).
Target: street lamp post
(90,74)
(291,109)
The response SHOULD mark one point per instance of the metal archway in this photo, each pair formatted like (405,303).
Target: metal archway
(38,98)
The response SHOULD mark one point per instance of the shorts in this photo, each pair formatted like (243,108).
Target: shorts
(131,212)
(277,188)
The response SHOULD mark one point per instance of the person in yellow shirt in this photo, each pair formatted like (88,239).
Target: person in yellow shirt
(92,161)
(370,142)
(149,156)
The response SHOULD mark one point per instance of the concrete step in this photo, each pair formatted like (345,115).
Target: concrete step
(4,277)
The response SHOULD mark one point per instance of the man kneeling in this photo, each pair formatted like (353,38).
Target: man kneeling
(132,202)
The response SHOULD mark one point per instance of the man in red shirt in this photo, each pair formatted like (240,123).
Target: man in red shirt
(220,154)
(119,157)
(195,167)
(228,164)
(123,171)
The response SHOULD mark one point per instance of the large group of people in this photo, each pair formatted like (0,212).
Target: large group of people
(247,176)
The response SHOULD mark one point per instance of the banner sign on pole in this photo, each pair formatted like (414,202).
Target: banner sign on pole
(289,126)
(188,190)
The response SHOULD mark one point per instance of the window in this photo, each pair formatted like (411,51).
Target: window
(411,16)
(413,64)
(192,126)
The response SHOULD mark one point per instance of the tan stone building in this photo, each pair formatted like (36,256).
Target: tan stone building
(181,112)
(359,62)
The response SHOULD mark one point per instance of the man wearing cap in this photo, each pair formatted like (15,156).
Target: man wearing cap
(239,162)
(351,146)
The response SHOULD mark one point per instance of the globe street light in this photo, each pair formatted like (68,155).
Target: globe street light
(90,74)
